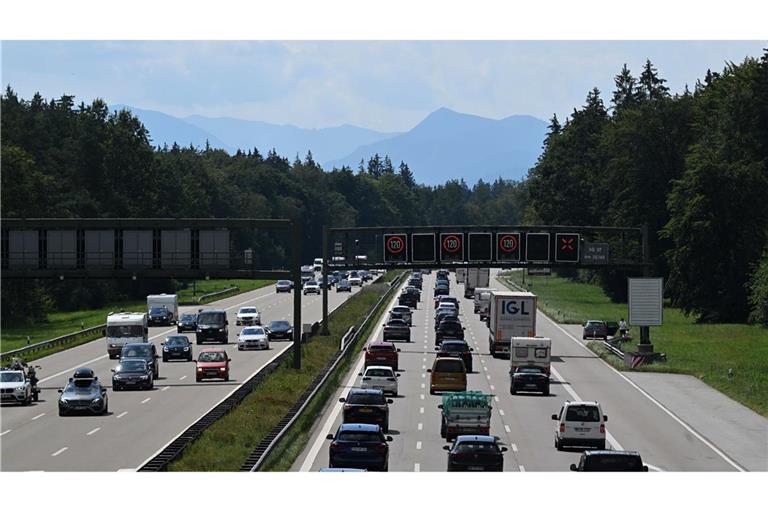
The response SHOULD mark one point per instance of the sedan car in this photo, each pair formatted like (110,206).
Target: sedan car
(595,329)
(283,286)
(177,347)
(343,286)
(311,287)
(475,453)
(457,348)
(83,394)
(528,378)
(449,330)
(145,351)
(359,445)
(279,330)
(366,406)
(212,363)
(356,281)
(381,353)
(187,322)
(442,289)
(132,373)
(397,329)
(407,299)
(609,460)
(380,377)
(248,315)
(253,337)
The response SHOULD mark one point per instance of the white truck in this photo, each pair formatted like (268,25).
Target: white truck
(318,264)
(167,301)
(125,328)
(461,275)
(482,301)
(476,278)
(510,314)
(531,351)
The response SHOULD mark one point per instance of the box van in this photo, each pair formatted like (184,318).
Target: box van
(125,328)
(318,264)
(482,301)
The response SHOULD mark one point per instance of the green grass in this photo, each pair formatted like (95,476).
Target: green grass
(226,444)
(187,297)
(705,351)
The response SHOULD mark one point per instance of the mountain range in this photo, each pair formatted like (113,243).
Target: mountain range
(444,145)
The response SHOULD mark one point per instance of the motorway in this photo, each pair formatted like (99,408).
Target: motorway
(522,422)
(139,423)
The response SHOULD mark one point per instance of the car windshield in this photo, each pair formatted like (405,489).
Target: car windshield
(125,331)
(449,366)
(476,447)
(158,311)
(211,357)
(131,366)
(136,351)
(11,377)
(279,324)
(187,317)
(248,310)
(284,283)
(311,283)
(379,372)
(366,399)
(397,322)
(607,462)
(211,318)
(401,309)
(365,437)
(252,331)
(582,413)
(176,341)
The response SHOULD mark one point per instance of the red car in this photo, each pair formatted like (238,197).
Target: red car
(212,363)
(381,353)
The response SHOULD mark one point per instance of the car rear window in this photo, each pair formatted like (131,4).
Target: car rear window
(449,366)
(582,413)
(381,348)
(378,372)
(366,399)
(613,463)
(476,447)
(453,347)
(365,437)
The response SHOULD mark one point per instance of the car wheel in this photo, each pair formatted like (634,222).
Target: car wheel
(62,413)
(512,390)
(558,445)
(36,396)
(442,429)
(600,445)
(165,359)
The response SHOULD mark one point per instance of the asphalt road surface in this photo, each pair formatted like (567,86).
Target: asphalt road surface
(523,422)
(139,423)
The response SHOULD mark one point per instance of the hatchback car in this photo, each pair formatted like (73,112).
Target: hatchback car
(413,291)
(132,373)
(475,453)
(355,281)
(609,460)
(595,329)
(407,299)
(380,377)
(279,330)
(382,353)
(248,315)
(144,351)
(83,394)
(397,329)
(405,311)
(359,445)
(528,378)
(253,337)
(177,347)
(212,363)
(366,406)
(580,424)
(187,323)
(449,329)
(447,374)
(457,348)
(449,300)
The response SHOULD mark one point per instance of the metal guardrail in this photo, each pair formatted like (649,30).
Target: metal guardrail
(262,450)
(52,342)
(220,292)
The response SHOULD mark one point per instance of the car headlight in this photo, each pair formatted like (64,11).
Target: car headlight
(222,329)
(117,377)
(222,369)
(143,377)
(63,400)
(96,400)
(20,388)
(165,349)
(186,349)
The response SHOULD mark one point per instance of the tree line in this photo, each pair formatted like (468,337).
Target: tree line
(690,166)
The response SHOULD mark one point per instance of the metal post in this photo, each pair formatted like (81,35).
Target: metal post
(645,331)
(325,330)
(297,327)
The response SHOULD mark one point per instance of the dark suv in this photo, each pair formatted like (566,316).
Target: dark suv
(595,329)
(449,330)
(366,406)
(457,348)
(212,326)
(144,351)
(609,460)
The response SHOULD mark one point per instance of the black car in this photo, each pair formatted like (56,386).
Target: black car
(528,378)
(83,394)
(132,373)
(187,322)
(283,286)
(407,299)
(159,316)
(416,283)
(449,330)
(212,326)
(457,348)
(397,329)
(365,275)
(359,445)
(609,460)
(279,330)
(595,329)
(442,313)
(366,406)
(413,291)
(144,351)
(343,286)
(177,347)
(442,274)
(442,289)
(475,453)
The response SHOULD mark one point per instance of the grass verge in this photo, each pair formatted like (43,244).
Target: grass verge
(706,351)
(191,292)
(228,442)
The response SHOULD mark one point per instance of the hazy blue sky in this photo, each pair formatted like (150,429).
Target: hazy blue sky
(387,85)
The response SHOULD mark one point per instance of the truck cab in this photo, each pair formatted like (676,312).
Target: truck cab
(125,328)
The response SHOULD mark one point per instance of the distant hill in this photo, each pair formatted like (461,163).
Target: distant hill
(448,144)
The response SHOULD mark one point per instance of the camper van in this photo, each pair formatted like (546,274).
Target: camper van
(125,328)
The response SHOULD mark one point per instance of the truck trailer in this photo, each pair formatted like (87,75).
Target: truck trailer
(510,314)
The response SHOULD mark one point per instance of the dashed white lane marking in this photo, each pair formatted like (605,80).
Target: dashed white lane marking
(522,468)
(485,368)
(506,427)
(93,431)
(417,467)
(422,397)
(418,445)
(39,416)
(183,377)
(122,414)
(59,452)
(488,377)
(496,398)
(420,426)
(166,387)
(146,400)
(482,361)
(492,387)
(421,410)
(3,433)
(514,447)
(501,411)
(423,385)
(423,375)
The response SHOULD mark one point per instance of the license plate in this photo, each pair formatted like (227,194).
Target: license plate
(579,429)
(366,410)
(531,385)
(381,358)
(359,449)
(475,468)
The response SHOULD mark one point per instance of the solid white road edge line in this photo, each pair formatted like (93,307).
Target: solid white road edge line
(649,397)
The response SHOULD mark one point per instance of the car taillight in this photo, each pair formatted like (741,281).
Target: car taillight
(562,427)
(380,448)
(335,447)
(602,428)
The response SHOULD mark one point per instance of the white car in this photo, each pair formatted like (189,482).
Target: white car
(15,387)
(356,281)
(253,337)
(580,424)
(311,287)
(380,377)
(248,315)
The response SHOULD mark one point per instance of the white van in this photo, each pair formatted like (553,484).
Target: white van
(580,424)
(125,328)
(318,264)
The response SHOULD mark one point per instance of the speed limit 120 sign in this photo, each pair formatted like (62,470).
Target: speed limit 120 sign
(508,246)
(451,246)
(395,247)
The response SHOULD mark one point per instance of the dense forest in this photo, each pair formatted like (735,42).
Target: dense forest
(691,166)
